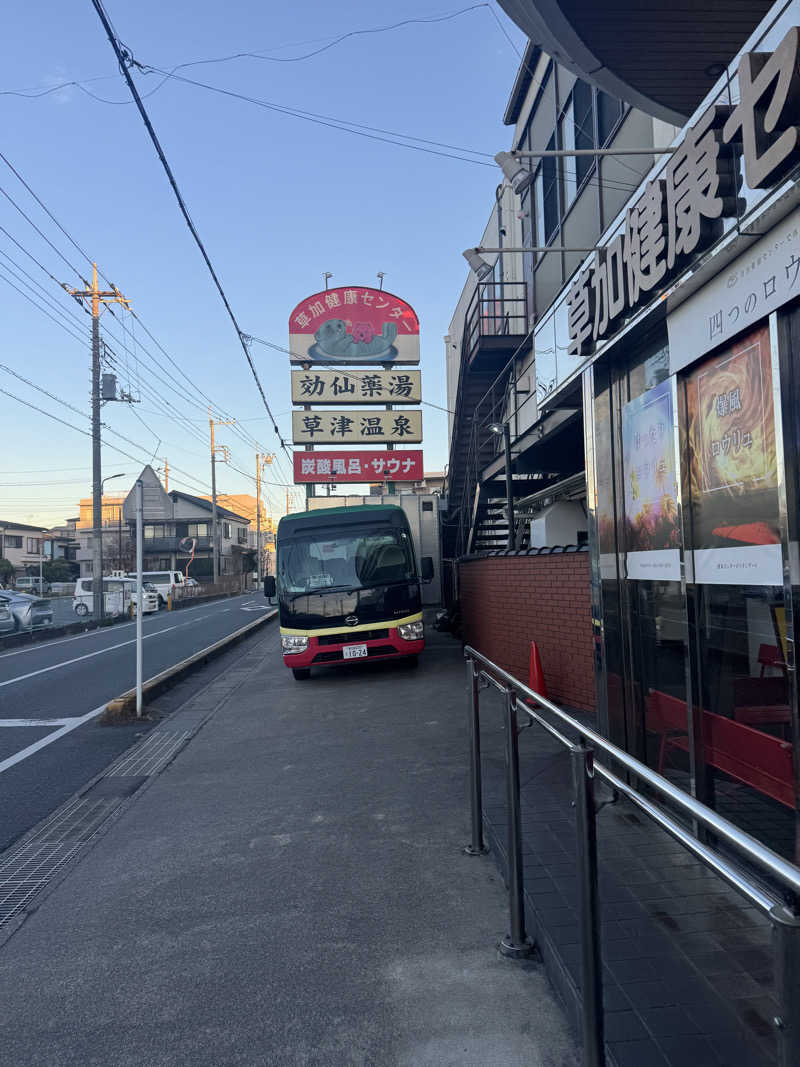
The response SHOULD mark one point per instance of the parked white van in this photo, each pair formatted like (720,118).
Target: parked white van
(118,594)
(165,582)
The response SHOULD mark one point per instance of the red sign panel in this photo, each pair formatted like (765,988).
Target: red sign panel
(361,466)
(354,325)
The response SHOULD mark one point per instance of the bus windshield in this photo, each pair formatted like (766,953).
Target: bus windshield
(352,558)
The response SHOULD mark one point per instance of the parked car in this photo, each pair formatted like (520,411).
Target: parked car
(36,585)
(118,594)
(30,612)
(8,623)
(165,582)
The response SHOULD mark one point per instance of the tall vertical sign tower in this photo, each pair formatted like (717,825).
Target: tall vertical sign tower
(354,355)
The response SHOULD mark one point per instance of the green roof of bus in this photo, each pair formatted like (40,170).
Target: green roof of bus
(370,511)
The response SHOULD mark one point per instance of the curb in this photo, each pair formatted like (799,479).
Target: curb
(119,709)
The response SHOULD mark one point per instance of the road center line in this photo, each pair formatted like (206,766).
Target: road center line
(99,633)
(89,655)
(70,724)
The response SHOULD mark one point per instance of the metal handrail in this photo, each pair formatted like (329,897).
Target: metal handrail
(784,920)
(776,866)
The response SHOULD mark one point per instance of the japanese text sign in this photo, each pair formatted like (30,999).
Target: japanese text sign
(357,427)
(362,466)
(758,281)
(356,387)
(355,325)
(680,213)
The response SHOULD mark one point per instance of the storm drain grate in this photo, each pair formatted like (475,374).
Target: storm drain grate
(152,755)
(28,867)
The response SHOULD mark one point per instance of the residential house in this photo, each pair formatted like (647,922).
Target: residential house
(178,531)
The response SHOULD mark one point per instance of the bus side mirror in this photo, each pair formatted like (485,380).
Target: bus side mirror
(427,568)
(269,586)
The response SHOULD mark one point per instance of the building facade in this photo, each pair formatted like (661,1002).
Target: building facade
(178,532)
(658,417)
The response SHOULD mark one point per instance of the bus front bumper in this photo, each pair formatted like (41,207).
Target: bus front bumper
(328,651)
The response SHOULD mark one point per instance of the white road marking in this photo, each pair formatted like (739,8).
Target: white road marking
(69,725)
(34,722)
(89,655)
(99,633)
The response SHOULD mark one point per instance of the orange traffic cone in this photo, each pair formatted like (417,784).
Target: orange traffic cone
(536,680)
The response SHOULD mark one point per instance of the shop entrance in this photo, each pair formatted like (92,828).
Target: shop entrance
(690,550)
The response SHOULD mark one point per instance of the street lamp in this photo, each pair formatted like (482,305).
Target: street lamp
(502,428)
(99,601)
(519,177)
(477,263)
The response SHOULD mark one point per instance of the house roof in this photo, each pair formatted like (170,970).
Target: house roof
(206,505)
(7,526)
(521,83)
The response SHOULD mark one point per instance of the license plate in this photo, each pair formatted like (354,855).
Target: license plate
(354,651)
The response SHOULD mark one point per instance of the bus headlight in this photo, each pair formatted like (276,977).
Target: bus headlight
(411,631)
(293,643)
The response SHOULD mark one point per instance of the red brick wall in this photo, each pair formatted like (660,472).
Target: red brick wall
(509,601)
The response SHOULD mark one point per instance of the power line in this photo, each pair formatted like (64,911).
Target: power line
(38,307)
(121,58)
(37,91)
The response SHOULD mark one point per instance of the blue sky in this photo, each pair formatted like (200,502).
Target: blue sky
(277,201)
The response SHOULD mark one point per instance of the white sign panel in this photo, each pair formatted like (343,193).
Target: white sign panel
(656,565)
(356,387)
(354,427)
(760,280)
(749,565)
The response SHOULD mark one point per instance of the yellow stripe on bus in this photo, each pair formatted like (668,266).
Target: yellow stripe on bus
(384,624)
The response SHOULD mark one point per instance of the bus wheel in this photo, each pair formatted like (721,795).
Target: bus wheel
(301,673)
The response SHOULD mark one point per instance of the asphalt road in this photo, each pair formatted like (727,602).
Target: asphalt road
(51,693)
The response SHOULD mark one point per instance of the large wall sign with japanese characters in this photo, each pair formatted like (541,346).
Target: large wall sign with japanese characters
(354,325)
(356,387)
(356,427)
(681,211)
(362,466)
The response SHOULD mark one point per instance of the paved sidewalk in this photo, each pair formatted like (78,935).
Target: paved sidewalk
(290,890)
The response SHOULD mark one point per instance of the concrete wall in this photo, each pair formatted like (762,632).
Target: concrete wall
(509,601)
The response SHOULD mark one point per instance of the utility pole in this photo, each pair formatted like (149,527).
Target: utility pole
(262,460)
(96,297)
(212,422)
(166,475)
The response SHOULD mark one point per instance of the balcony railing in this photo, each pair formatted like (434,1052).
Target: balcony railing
(497,309)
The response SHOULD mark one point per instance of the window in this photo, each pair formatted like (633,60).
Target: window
(226,530)
(34,545)
(567,139)
(241,536)
(12,541)
(198,529)
(549,172)
(152,532)
(583,117)
(609,112)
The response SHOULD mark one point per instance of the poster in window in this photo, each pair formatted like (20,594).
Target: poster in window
(652,533)
(733,467)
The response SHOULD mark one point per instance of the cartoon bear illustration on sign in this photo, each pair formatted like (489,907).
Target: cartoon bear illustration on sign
(335,345)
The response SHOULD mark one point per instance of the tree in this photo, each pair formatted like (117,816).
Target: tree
(6,571)
(59,570)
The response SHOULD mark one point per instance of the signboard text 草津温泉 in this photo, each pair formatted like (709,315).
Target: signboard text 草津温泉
(680,213)
(356,387)
(357,427)
(362,466)
(354,325)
